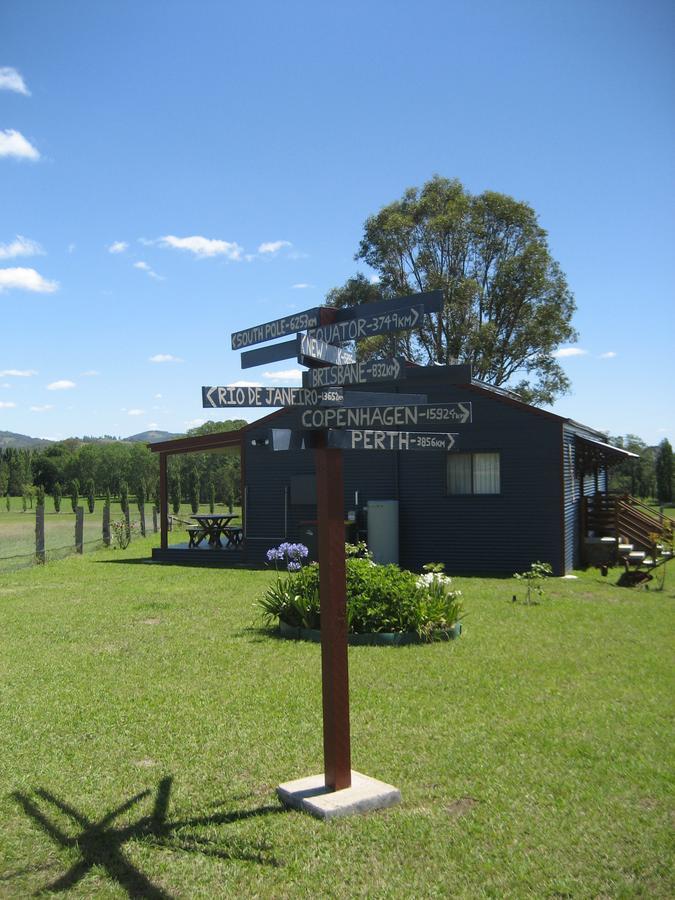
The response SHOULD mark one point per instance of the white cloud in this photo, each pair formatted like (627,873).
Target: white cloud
(17,373)
(144,267)
(11,80)
(564,352)
(72,247)
(13,143)
(246,384)
(118,247)
(136,412)
(194,423)
(44,408)
(20,246)
(5,385)
(90,373)
(157,397)
(7,404)
(62,385)
(162,358)
(302,285)
(286,374)
(375,279)
(24,279)
(273,246)
(202,247)
(152,425)
(609,355)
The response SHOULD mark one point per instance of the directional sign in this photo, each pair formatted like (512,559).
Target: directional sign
(356,373)
(432,301)
(233,395)
(305,349)
(278,328)
(391,440)
(382,398)
(425,302)
(312,348)
(262,356)
(368,324)
(386,416)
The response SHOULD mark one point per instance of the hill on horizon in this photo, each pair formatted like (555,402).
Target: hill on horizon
(11,439)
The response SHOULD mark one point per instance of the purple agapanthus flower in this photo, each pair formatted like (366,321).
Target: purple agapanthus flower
(293,553)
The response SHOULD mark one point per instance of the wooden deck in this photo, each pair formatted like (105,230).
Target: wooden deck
(204,555)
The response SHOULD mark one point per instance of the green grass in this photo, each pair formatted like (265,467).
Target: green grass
(533,754)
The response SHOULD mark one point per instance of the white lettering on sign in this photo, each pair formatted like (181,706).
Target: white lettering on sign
(356,373)
(366,326)
(385,416)
(314,348)
(278,328)
(391,440)
(234,395)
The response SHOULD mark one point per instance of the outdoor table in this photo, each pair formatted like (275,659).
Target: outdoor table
(215,525)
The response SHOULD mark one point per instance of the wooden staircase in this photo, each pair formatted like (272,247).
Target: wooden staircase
(638,538)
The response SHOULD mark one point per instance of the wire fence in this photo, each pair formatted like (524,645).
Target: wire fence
(28,539)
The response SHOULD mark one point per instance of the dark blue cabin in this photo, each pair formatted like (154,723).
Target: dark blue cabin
(509,494)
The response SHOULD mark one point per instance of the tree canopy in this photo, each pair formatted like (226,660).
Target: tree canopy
(507,303)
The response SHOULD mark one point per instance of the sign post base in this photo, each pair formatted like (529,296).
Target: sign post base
(311,795)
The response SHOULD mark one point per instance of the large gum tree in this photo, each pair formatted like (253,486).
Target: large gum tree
(507,303)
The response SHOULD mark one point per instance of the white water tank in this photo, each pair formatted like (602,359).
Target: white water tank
(383,530)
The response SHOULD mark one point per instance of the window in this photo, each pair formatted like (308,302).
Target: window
(473,473)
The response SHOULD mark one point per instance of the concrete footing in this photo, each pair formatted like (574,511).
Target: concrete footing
(311,795)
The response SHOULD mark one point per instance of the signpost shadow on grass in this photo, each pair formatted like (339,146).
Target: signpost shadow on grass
(101,843)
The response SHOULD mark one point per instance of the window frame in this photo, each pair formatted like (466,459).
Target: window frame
(472,454)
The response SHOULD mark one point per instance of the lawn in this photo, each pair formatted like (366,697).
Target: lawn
(533,754)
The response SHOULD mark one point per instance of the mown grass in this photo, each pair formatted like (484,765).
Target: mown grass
(533,754)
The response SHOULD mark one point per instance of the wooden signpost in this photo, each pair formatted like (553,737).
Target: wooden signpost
(334,419)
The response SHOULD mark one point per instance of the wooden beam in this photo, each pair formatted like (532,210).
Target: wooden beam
(163,502)
(333,595)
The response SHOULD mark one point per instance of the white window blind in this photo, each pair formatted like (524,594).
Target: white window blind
(473,473)
(486,473)
(459,473)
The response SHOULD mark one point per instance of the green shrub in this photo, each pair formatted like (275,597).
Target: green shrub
(379,599)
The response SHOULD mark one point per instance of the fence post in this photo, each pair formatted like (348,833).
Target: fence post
(154,519)
(141,511)
(40,532)
(106,525)
(79,529)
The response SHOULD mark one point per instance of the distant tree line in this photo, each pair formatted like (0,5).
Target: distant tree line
(650,475)
(118,468)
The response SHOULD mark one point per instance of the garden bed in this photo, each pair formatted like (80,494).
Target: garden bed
(376,639)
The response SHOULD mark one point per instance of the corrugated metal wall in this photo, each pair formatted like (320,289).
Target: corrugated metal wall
(575,488)
(572,494)
(475,534)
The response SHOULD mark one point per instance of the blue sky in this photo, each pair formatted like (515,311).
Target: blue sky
(230,153)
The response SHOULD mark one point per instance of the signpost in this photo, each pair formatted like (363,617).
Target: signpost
(237,395)
(356,373)
(386,416)
(365,326)
(314,349)
(333,420)
(391,440)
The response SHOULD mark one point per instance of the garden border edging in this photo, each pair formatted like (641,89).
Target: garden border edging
(382,638)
